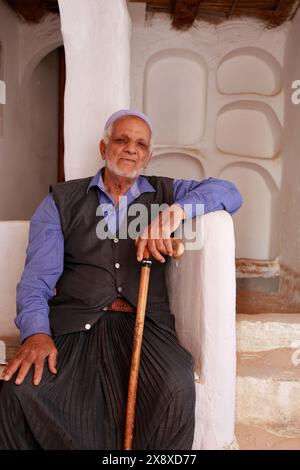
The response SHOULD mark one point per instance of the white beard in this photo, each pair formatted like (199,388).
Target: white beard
(127,174)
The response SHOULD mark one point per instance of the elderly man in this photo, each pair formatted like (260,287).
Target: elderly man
(76,307)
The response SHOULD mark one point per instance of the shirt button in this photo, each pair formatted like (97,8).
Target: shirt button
(116,240)
(120,289)
(117,265)
(87,326)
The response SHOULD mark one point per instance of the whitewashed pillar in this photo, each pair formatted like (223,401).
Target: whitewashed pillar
(96,36)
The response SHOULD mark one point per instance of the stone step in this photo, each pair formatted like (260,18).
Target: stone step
(268,391)
(12,344)
(268,376)
(8,348)
(265,332)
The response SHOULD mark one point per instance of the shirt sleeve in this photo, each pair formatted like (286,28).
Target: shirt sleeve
(209,195)
(43,267)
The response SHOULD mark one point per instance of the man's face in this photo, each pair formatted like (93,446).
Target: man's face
(128,150)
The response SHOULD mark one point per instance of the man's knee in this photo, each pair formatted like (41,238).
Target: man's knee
(10,391)
(181,377)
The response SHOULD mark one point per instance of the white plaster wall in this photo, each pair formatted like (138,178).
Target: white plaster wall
(97,46)
(14,239)
(28,147)
(8,142)
(290,192)
(251,167)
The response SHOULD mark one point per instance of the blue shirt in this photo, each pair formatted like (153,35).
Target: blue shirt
(45,252)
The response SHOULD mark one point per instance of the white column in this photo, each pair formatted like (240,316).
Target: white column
(96,37)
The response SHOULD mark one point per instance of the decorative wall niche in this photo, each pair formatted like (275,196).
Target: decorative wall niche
(249,70)
(257,222)
(175,91)
(259,130)
(176,165)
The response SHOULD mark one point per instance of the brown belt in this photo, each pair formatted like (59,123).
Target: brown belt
(120,305)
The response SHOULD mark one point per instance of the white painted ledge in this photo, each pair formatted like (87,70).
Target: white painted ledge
(202,295)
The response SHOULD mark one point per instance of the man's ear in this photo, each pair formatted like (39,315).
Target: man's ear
(102,148)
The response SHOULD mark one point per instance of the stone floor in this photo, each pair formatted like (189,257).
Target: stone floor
(256,438)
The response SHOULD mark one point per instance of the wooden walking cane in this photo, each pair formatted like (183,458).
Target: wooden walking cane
(178,249)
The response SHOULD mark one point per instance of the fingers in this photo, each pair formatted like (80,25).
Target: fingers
(141,245)
(24,369)
(168,246)
(153,250)
(157,248)
(52,360)
(38,371)
(11,368)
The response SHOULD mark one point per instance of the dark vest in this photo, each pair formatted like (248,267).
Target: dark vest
(95,268)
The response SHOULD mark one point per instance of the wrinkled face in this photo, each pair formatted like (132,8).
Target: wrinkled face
(128,150)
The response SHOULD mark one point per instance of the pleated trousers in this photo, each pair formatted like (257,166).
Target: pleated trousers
(83,406)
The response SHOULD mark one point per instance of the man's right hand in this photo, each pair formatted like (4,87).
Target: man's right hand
(33,352)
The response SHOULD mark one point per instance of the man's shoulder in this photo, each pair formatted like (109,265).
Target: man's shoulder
(159,179)
(71,184)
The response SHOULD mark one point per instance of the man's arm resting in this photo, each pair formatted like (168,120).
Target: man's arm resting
(191,198)
(43,267)
(209,195)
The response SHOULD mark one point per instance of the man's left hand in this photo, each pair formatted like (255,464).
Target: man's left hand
(156,237)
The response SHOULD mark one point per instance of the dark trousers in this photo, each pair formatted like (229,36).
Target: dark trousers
(83,406)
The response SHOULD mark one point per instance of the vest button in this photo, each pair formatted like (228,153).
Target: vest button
(117,265)
(120,289)
(116,240)
(104,308)
(87,326)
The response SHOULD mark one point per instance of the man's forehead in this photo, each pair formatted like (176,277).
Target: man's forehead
(129,124)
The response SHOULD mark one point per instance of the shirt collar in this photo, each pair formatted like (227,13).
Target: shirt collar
(141,184)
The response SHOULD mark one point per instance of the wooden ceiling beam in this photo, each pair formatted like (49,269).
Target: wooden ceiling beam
(282,9)
(185,13)
(233,6)
(33,10)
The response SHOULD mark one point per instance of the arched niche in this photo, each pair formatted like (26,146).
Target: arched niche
(175,89)
(37,58)
(38,135)
(257,222)
(37,41)
(249,70)
(175,165)
(248,128)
